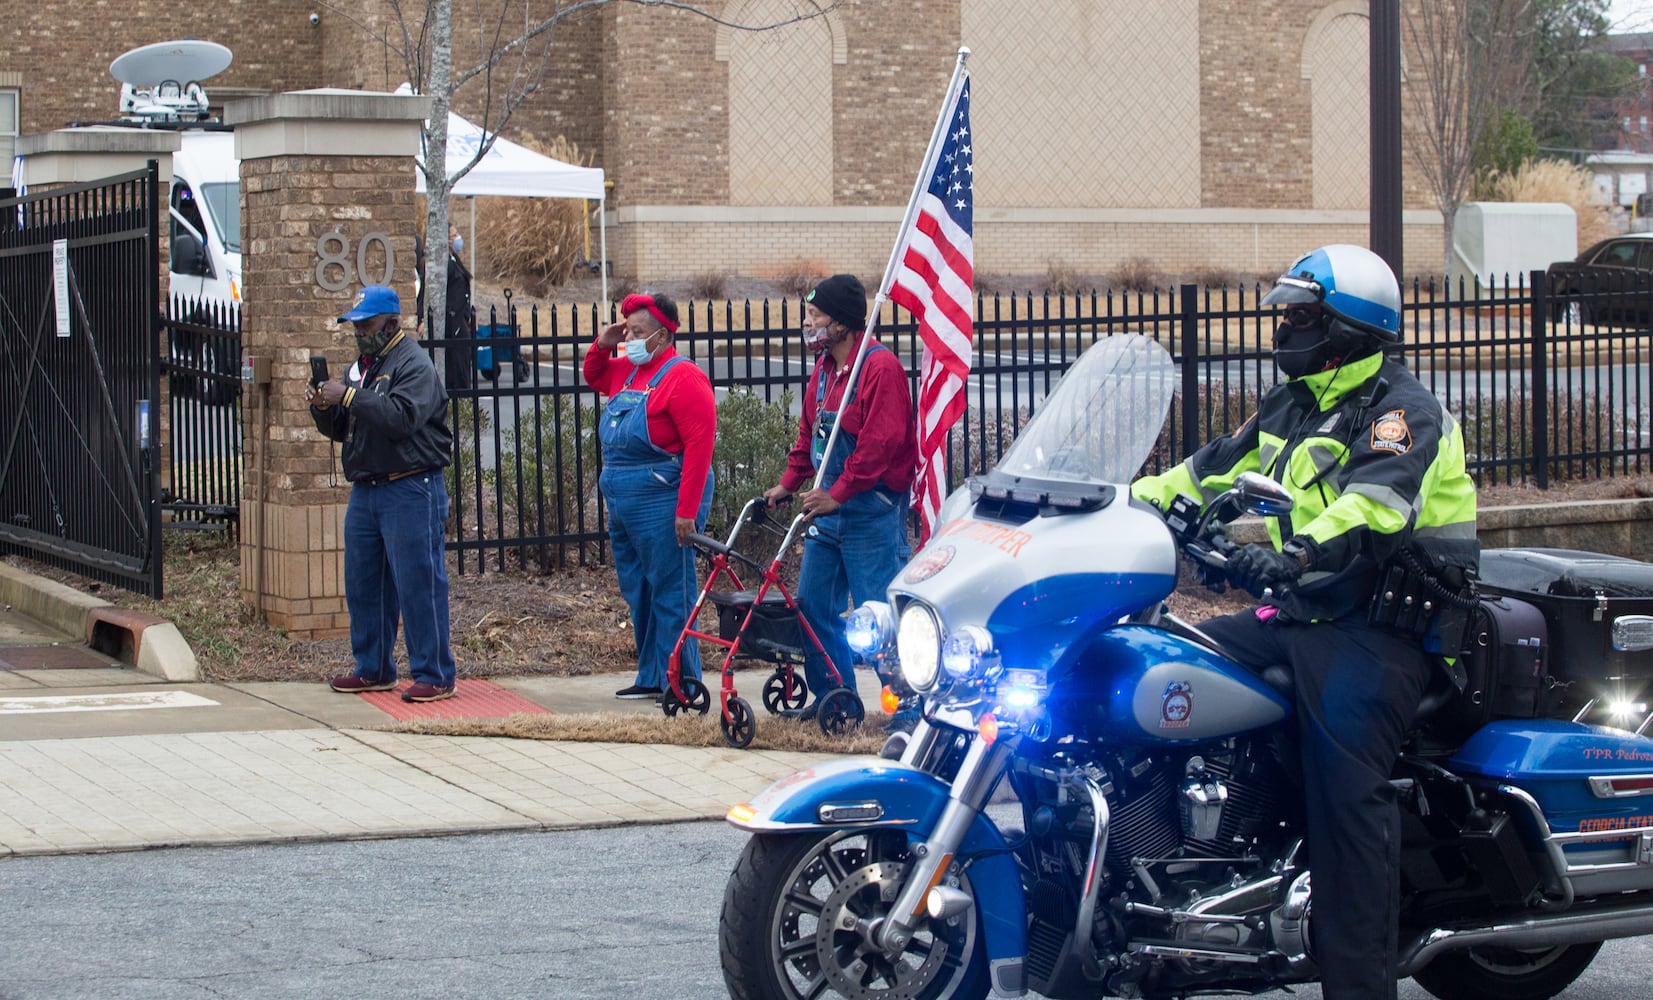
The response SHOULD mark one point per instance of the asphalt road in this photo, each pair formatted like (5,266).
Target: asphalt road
(621,913)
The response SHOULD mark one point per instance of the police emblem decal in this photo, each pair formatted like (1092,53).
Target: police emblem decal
(1390,433)
(929,562)
(1177,705)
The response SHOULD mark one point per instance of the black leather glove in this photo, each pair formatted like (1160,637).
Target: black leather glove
(1215,578)
(1257,567)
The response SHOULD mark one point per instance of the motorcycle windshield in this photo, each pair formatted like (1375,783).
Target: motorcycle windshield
(1101,421)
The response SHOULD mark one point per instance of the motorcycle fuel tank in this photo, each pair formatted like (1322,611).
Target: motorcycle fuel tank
(1042,584)
(1137,684)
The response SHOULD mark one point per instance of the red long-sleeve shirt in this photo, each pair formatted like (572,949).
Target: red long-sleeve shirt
(880,417)
(682,412)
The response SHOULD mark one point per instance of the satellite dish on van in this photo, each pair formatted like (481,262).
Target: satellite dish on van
(161,82)
(187,60)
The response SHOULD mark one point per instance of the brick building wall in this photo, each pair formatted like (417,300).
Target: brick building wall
(645,92)
(63,50)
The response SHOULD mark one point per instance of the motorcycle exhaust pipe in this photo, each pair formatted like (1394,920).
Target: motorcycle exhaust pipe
(1549,930)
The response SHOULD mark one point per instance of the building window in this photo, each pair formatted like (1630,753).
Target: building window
(1626,123)
(8,133)
(1644,124)
(1641,70)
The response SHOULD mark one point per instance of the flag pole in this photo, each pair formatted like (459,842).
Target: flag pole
(931,155)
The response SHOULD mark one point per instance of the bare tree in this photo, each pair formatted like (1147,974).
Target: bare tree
(1472,64)
(510,68)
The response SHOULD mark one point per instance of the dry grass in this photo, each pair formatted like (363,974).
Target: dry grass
(533,240)
(1554,181)
(772,732)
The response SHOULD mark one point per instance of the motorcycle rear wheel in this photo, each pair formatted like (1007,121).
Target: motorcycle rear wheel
(776,943)
(1493,973)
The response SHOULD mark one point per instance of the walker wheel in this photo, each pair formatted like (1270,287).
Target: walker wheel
(776,696)
(841,712)
(739,727)
(700,699)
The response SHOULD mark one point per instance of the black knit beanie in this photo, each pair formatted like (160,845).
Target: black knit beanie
(841,297)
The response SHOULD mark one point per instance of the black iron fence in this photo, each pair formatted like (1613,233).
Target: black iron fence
(1540,394)
(202,362)
(79,483)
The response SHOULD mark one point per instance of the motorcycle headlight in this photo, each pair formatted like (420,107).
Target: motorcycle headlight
(918,644)
(967,652)
(870,630)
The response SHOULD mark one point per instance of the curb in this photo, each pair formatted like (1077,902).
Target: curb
(150,644)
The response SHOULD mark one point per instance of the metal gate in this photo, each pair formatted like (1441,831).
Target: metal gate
(80,379)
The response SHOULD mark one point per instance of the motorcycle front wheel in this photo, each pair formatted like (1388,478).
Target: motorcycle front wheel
(791,913)
(1493,973)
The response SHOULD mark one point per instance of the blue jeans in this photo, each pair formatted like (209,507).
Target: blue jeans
(849,555)
(657,576)
(393,569)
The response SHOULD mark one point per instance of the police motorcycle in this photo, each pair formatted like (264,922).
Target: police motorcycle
(1097,801)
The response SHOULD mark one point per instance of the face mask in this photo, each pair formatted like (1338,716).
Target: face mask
(458,243)
(1301,350)
(818,338)
(637,351)
(374,343)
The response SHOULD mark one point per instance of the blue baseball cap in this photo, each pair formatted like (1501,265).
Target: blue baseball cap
(374,300)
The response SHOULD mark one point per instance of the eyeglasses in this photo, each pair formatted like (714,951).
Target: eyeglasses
(1302,316)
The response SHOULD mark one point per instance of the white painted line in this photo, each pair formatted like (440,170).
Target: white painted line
(103,702)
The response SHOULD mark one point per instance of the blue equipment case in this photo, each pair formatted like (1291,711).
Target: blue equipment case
(486,364)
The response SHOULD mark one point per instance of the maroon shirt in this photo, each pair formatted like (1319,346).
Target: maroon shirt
(880,417)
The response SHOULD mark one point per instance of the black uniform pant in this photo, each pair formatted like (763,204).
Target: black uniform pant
(1357,690)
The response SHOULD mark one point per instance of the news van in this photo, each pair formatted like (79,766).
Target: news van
(205,211)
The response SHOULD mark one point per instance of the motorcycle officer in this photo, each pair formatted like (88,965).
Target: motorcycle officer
(1375,466)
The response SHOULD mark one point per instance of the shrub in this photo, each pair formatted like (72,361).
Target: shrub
(1135,274)
(533,238)
(753,437)
(1061,279)
(1220,277)
(797,278)
(708,285)
(1498,433)
(550,473)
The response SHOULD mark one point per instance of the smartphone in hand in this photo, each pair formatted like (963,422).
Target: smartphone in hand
(318,370)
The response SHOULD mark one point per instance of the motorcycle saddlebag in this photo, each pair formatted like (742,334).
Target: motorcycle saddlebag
(1579,593)
(1504,663)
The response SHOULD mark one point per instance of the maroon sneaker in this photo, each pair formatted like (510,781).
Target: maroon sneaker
(420,691)
(351,684)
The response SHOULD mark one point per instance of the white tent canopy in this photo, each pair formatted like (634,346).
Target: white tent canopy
(514,171)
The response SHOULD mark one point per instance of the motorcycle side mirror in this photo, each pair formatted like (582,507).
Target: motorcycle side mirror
(1259,495)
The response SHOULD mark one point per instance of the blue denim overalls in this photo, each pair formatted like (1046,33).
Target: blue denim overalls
(657,576)
(854,552)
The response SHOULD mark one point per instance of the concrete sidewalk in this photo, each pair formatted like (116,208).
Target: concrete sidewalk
(96,755)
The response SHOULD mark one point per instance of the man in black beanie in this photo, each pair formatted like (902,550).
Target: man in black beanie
(858,540)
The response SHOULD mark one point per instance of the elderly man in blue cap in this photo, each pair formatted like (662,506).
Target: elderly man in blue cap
(390,414)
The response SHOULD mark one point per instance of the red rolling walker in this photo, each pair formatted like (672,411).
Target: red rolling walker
(762,623)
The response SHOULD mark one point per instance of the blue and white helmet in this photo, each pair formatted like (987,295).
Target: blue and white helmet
(1350,283)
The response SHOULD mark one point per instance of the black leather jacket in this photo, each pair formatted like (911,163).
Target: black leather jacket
(394,418)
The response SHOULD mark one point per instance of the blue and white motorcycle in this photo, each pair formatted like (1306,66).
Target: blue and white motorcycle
(1098,803)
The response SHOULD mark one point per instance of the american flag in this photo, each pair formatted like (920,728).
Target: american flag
(933,282)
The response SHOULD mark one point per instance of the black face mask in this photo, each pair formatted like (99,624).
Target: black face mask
(1302,350)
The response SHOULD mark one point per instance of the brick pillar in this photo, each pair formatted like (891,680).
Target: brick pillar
(315,163)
